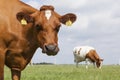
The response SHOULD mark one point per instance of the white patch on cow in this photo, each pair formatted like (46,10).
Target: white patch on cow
(48,14)
(83,52)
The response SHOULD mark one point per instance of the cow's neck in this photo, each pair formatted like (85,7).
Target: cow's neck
(28,34)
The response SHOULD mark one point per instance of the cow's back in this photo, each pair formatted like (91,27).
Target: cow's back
(82,51)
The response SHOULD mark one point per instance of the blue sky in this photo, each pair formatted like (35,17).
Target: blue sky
(97,25)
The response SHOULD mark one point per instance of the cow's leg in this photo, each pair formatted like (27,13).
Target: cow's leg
(16,74)
(77,64)
(86,61)
(94,64)
(2,62)
(1,66)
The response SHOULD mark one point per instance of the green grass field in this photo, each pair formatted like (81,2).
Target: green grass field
(67,72)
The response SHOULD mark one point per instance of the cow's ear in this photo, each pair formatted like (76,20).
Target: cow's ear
(68,19)
(24,18)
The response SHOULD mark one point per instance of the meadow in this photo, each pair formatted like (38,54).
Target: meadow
(67,72)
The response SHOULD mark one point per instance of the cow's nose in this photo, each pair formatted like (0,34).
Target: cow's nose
(50,47)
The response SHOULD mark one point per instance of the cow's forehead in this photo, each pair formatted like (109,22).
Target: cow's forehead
(47,7)
(48,14)
(48,11)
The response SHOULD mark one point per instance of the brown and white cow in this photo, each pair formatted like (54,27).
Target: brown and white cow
(87,54)
(23,29)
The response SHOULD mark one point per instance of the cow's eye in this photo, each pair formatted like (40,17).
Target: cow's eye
(38,27)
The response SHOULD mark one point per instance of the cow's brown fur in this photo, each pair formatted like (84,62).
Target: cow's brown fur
(18,42)
(93,56)
(79,51)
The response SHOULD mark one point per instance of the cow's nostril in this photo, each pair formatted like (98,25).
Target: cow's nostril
(50,47)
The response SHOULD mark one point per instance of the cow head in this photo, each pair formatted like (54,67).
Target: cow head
(99,63)
(46,24)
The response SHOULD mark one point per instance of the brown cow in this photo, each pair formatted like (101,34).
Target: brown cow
(23,29)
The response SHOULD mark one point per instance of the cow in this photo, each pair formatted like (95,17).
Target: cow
(23,29)
(87,54)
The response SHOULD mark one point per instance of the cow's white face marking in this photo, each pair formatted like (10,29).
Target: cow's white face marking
(48,14)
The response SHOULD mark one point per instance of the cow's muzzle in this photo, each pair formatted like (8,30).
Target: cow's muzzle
(50,49)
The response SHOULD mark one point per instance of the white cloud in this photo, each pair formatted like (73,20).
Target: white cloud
(81,23)
(67,3)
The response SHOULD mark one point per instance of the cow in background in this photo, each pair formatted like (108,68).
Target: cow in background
(23,29)
(87,54)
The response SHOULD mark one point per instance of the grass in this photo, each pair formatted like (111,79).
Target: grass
(67,72)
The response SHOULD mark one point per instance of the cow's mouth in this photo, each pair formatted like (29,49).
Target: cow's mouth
(50,50)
